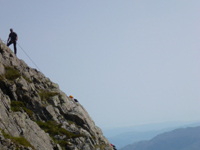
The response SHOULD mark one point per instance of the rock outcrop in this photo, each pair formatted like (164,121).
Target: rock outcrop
(36,115)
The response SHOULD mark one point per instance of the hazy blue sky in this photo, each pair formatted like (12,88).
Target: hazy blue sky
(128,62)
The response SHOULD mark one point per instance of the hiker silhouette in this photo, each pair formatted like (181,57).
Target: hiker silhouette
(12,39)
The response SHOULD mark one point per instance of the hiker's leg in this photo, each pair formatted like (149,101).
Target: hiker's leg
(15,48)
(10,42)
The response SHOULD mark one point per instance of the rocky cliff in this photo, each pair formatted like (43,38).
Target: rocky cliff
(36,115)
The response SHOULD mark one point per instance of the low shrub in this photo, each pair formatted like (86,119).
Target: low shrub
(45,95)
(17,140)
(11,73)
(27,79)
(53,129)
(16,105)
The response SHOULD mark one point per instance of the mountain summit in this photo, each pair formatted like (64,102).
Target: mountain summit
(36,115)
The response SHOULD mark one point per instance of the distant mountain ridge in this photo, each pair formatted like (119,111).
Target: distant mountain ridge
(144,132)
(149,127)
(131,137)
(179,139)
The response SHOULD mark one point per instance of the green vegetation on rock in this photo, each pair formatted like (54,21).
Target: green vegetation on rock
(17,140)
(27,79)
(100,146)
(45,95)
(2,77)
(53,129)
(11,73)
(16,105)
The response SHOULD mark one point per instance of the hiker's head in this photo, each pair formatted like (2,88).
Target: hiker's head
(11,30)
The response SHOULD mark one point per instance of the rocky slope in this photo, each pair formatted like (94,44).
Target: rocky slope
(36,115)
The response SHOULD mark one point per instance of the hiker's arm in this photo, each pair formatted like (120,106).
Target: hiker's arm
(16,38)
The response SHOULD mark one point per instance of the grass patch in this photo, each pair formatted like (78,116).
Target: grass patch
(72,122)
(2,77)
(11,73)
(17,140)
(53,129)
(62,143)
(45,95)
(100,146)
(16,105)
(27,79)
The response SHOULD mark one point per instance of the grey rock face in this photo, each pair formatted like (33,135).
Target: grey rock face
(2,69)
(34,109)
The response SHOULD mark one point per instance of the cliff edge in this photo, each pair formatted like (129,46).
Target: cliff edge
(36,115)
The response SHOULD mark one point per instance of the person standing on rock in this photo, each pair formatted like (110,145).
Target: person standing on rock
(12,39)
